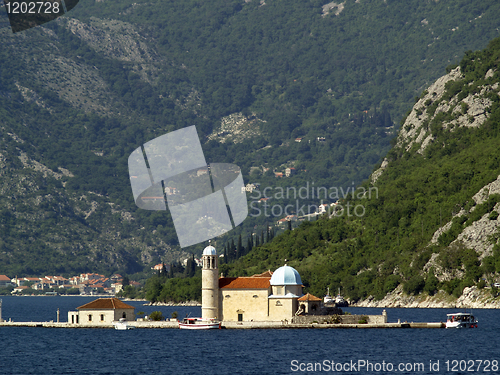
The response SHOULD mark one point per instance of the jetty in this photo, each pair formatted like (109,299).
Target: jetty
(227,325)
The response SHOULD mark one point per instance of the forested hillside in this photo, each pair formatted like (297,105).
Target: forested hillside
(78,94)
(429,218)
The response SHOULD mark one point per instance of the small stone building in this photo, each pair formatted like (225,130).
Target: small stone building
(310,305)
(102,311)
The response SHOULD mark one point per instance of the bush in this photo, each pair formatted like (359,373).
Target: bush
(363,320)
(156,316)
(431,283)
(415,285)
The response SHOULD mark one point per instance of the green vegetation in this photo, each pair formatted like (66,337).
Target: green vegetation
(82,93)
(156,316)
(363,320)
(371,254)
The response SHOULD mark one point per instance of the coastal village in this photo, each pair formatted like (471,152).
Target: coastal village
(83,284)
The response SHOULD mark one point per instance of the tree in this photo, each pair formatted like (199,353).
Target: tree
(125,281)
(156,316)
(239,248)
(164,272)
(249,245)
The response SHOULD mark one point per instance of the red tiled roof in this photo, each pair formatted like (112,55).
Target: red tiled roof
(264,274)
(309,297)
(106,303)
(4,278)
(244,282)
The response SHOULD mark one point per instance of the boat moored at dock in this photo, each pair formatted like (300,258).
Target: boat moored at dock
(199,323)
(122,325)
(461,320)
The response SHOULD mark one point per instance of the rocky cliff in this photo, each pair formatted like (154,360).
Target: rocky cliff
(471,298)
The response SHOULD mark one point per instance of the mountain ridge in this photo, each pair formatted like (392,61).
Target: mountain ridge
(433,226)
(80,93)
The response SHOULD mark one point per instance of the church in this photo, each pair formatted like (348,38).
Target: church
(270,296)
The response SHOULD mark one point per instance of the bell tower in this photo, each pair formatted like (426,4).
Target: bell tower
(210,284)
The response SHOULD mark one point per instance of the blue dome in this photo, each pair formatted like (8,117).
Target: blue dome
(209,250)
(286,275)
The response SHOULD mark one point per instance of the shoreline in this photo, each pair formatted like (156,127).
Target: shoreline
(471,298)
(230,325)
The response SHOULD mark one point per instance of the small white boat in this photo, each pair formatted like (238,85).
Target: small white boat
(199,323)
(122,325)
(340,301)
(328,300)
(461,320)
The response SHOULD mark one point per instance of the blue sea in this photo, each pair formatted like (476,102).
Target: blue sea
(47,351)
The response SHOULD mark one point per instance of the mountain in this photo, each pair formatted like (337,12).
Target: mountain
(426,222)
(79,94)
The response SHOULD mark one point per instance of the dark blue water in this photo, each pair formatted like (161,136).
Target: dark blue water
(288,351)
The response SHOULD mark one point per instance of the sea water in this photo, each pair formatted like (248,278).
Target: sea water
(47,351)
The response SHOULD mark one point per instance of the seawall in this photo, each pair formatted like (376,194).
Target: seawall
(227,325)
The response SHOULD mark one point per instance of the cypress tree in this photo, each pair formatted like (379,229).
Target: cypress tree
(163,271)
(239,248)
(233,250)
(171,273)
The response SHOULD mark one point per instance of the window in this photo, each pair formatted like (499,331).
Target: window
(124,315)
(102,317)
(240,317)
(90,317)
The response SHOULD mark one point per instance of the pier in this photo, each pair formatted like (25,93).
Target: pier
(227,325)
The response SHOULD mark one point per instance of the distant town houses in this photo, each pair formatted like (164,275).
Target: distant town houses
(287,173)
(321,209)
(87,283)
(250,187)
(4,281)
(286,219)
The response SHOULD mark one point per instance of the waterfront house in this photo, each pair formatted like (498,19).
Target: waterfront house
(19,289)
(102,311)
(4,281)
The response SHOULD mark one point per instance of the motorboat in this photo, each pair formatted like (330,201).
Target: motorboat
(340,301)
(461,320)
(199,323)
(328,300)
(122,325)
